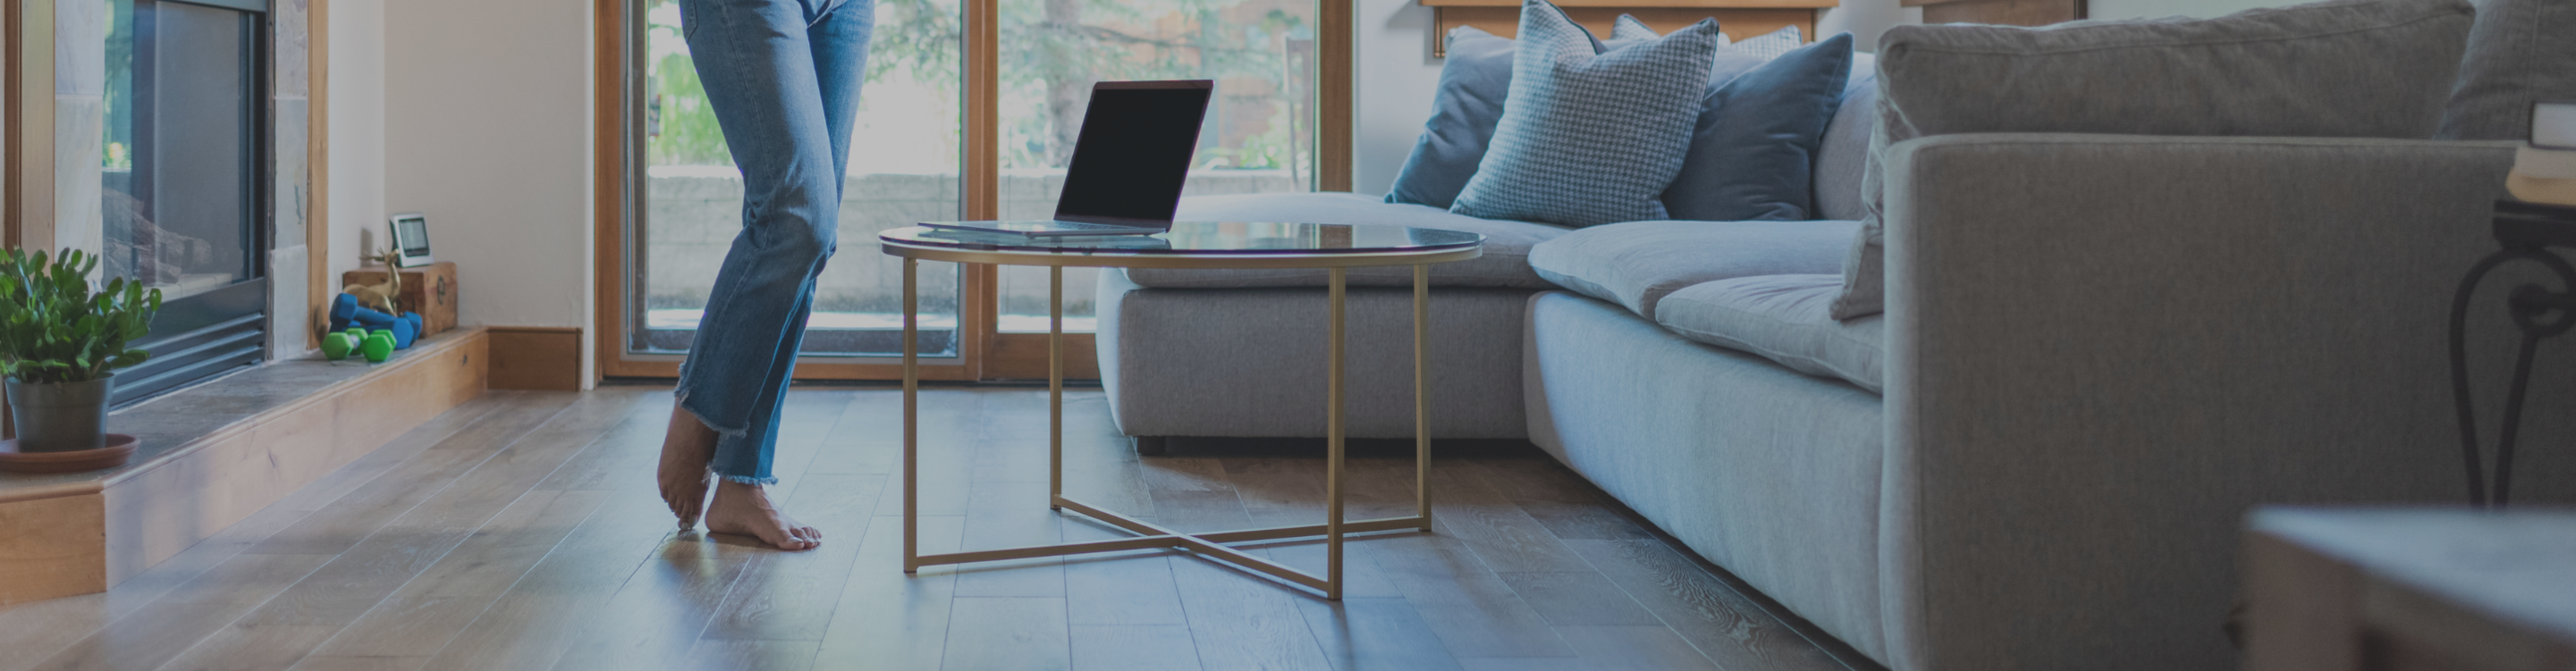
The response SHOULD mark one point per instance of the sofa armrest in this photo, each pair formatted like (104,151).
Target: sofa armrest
(2104,349)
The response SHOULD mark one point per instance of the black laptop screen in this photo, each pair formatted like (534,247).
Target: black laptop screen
(1134,152)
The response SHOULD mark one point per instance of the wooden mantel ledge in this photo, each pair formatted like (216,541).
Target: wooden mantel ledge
(1691,4)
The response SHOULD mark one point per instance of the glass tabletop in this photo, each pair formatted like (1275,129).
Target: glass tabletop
(1205,238)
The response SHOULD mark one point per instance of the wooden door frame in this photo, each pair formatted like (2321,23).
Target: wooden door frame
(984,353)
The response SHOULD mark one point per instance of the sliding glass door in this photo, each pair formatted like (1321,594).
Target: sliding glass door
(969,111)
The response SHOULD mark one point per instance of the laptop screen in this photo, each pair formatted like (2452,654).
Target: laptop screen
(1134,152)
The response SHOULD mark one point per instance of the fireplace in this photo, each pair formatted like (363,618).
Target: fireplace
(163,170)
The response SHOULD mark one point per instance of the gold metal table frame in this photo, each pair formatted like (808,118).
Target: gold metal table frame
(1152,536)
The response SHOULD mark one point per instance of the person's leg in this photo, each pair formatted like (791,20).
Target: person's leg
(759,75)
(837,40)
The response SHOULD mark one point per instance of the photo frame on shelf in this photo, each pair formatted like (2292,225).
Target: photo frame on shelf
(410,239)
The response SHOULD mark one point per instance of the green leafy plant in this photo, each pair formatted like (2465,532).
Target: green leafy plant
(52,329)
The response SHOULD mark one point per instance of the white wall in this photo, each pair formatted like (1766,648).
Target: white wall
(2135,9)
(1394,75)
(488,131)
(357,135)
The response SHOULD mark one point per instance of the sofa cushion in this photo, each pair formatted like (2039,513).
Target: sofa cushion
(1753,150)
(2520,51)
(1784,318)
(1505,263)
(1636,263)
(1845,150)
(2349,68)
(1475,77)
(1590,138)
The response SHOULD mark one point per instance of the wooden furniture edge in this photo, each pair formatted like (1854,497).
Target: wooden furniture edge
(506,368)
(462,338)
(52,491)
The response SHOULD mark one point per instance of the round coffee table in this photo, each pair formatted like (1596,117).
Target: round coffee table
(1195,245)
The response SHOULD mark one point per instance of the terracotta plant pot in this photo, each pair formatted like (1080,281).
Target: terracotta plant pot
(60,416)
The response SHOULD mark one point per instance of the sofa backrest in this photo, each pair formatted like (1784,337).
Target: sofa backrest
(1845,152)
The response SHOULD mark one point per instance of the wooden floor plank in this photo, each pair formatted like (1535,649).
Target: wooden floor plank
(1472,610)
(429,611)
(1634,648)
(1125,588)
(790,596)
(1133,647)
(530,625)
(523,531)
(1375,633)
(1726,626)
(1241,620)
(157,633)
(887,619)
(1578,598)
(749,655)
(1025,633)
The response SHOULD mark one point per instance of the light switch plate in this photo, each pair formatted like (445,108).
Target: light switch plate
(2553,125)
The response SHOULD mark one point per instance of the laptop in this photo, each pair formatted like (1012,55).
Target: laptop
(1128,164)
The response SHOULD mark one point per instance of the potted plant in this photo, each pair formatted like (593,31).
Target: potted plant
(60,345)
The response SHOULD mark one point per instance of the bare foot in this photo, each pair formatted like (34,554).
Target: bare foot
(746,510)
(686,448)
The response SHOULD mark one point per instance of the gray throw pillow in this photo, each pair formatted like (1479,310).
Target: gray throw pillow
(2352,68)
(1590,138)
(2521,51)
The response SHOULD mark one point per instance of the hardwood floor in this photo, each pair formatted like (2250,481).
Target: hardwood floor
(521,531)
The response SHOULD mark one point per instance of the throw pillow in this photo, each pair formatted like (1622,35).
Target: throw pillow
(2521,51)
(1473,83)
(1771,45)
(1590,137)
(2351,68)
(1753,150)
(1474,80)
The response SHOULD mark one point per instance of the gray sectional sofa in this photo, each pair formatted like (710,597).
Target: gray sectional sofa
(2098,352)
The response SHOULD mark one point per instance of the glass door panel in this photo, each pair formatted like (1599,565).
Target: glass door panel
(1260,131)
(904,160)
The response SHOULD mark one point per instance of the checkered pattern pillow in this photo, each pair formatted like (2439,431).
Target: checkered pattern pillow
(1590,139)
(1629,28)
(1771,45)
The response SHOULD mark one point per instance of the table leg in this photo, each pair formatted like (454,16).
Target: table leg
(1333,441)
(911,416)
(1055,387)
(1422,394)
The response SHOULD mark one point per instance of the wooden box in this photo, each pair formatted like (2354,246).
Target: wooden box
(429,290)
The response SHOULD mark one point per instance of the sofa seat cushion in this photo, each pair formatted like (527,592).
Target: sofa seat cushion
(1635,264)
(1784,318)
(1505,263)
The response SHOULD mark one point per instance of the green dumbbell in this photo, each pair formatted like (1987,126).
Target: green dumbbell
(380,346)
(336,346)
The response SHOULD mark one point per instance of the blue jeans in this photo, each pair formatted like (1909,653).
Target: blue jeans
(783,77)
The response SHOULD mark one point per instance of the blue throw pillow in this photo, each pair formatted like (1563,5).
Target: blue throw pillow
(1473,83)
(1474,80)
(1590,138)
(1753,152)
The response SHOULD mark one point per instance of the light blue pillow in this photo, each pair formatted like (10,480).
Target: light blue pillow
(1753,152)
(1590,138)
(1771,45)
(1475,77)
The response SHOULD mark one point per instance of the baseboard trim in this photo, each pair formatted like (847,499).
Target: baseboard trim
(536,358)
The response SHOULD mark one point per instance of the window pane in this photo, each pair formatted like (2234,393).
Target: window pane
(1260,131)
(903,169)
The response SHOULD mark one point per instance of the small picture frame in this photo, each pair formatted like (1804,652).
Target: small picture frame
(411,239)
(2553,125)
